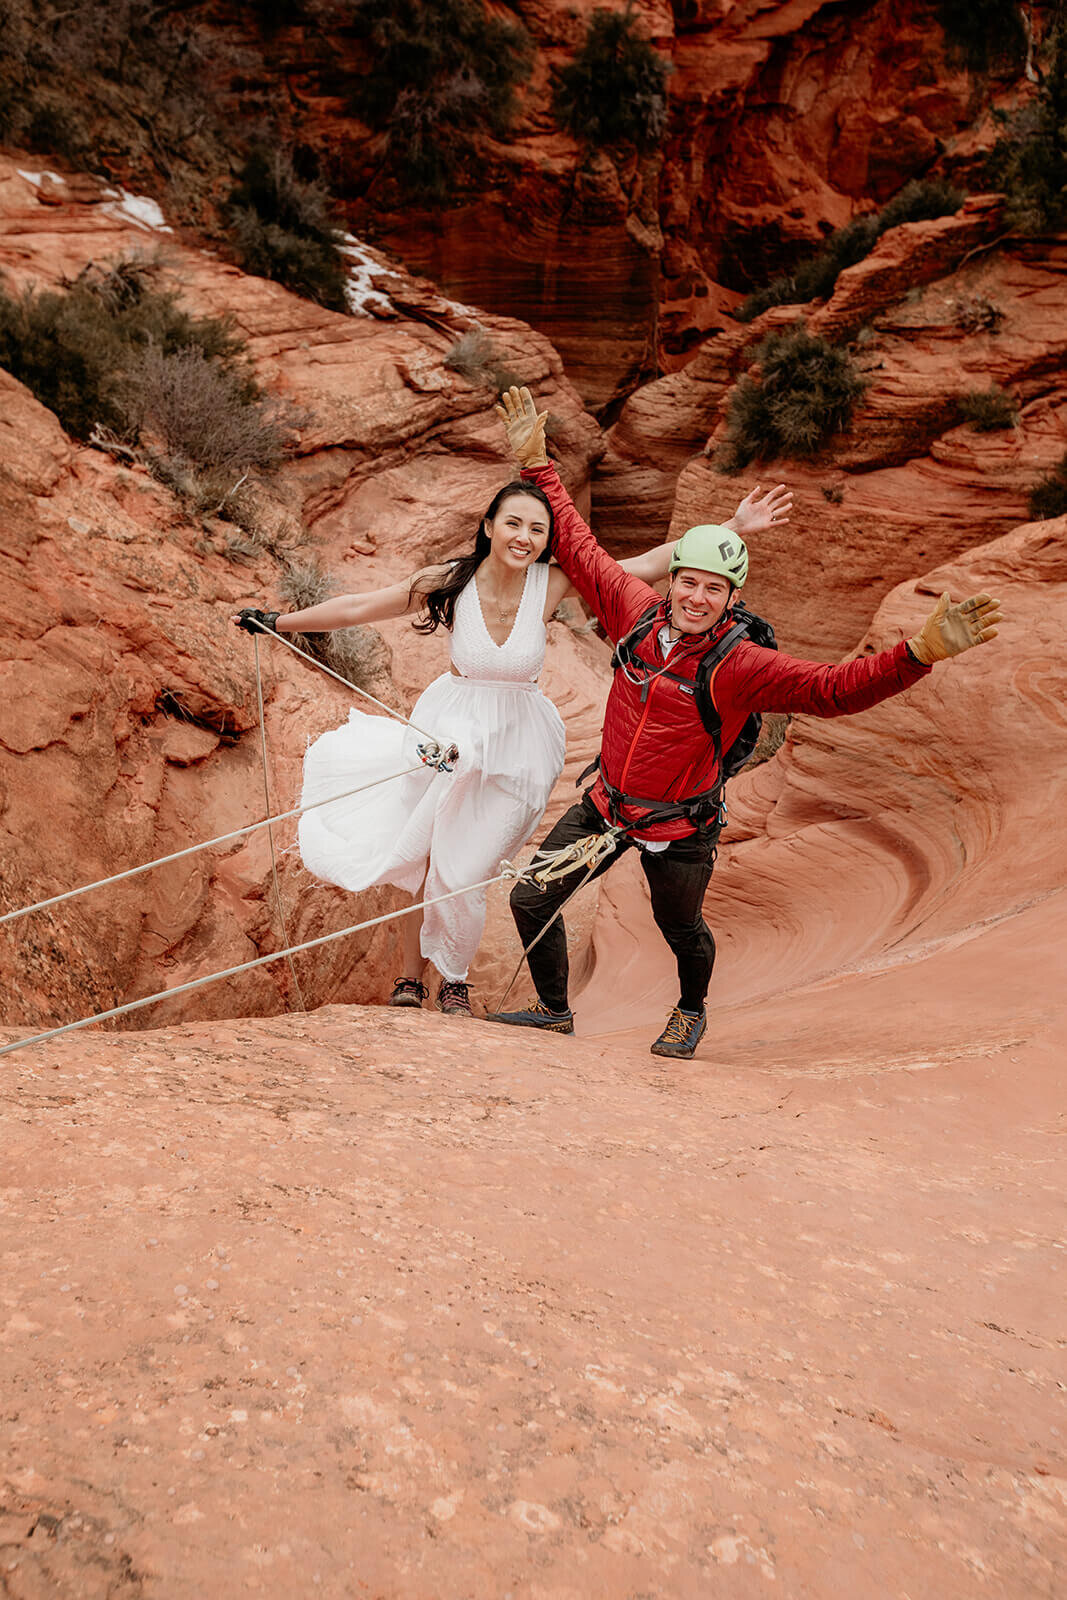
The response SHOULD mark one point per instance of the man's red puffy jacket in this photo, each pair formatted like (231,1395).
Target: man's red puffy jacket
(660,750)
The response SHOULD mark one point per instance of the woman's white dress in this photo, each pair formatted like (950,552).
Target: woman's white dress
(455,827)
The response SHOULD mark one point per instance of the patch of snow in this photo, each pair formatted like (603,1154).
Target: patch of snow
(359,290)
(37,178)
(138,209)
(466,311)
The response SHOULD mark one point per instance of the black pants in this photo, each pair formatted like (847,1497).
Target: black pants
(677,880)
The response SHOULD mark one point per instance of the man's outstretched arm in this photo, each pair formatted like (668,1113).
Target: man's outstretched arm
(617,598)
(762,680)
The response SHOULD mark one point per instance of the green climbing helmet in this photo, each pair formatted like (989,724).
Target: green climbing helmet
(709,548)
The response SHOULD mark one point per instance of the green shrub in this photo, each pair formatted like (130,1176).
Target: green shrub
(118,84)
(121,363)
(989,409)
(1048,497)
(983,32)
(75,348)
(201,414)
(919,201)
(615,90)
(440,71)
(359,654)
(282,228)
(805,393)
(1030,164)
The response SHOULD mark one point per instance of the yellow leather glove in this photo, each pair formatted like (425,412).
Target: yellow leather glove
(951,629)
(525,427)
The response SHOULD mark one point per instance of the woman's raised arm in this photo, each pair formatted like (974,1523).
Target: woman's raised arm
(352,610)
(756,513)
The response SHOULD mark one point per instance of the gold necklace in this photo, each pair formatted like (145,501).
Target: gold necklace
(505,614)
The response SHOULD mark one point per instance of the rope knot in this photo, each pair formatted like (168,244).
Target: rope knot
(440,759)
(589,852)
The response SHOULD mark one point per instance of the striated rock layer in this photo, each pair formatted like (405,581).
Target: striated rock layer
(785,119)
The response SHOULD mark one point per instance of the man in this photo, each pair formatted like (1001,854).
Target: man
(661,769)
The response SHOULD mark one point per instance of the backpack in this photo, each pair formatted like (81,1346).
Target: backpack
(745,625)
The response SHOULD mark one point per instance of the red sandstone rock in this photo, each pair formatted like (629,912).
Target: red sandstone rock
(374,1303)
(786,118)
(126,693)
(875,842)
(908,484)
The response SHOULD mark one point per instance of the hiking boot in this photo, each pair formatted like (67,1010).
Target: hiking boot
(683,1033)
(453,998)
(536,1016)
(408,992)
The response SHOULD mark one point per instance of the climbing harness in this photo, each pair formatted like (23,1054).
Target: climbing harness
(709,807)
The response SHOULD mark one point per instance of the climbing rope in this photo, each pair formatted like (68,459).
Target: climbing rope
(270,830)
(344,682)
(433,754)
(194,849)
(589,851)
(544,868)
(507,871)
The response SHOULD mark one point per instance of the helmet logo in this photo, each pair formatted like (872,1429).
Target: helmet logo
(726,549)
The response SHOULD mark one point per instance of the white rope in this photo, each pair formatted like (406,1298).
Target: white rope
(270,831)
(507,871)
(192,849)
(345,682)
(580,851)
(239,833)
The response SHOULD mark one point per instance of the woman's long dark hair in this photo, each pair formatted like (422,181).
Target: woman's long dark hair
(440,603)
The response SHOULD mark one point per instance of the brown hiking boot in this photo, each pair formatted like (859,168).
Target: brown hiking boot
(408,992)
(453,998)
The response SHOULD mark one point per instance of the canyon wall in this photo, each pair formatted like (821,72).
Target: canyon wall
(786,118)
(128,715)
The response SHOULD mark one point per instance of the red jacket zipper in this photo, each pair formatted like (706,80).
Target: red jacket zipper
(653,685)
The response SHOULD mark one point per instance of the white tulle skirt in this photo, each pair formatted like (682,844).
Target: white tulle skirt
(453,829)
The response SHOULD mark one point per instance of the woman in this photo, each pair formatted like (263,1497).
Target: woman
(433,832)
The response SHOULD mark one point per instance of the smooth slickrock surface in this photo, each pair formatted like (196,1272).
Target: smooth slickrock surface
(364,1303)
(375,1304)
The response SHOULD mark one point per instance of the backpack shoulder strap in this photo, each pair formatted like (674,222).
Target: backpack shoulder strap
(709,714)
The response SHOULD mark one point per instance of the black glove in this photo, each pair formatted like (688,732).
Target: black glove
(253,620)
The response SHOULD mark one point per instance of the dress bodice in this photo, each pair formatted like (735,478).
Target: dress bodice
(475,654)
